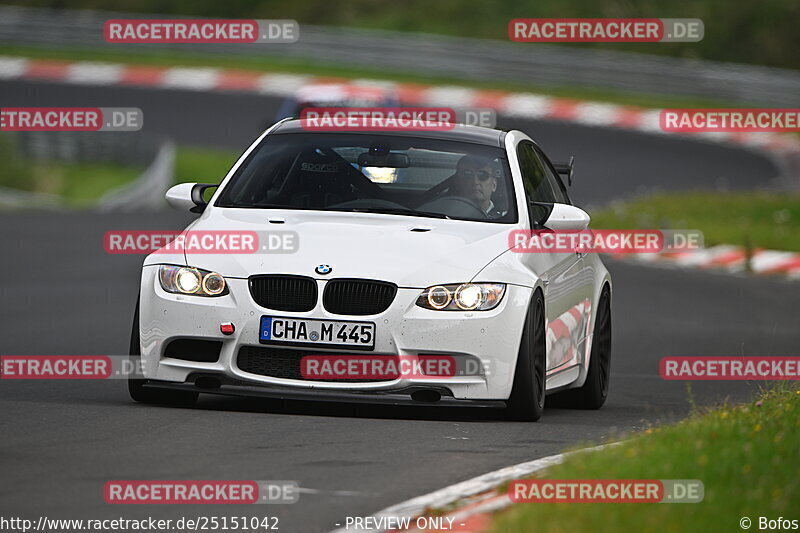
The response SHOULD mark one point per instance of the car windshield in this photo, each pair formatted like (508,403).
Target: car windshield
(371,173)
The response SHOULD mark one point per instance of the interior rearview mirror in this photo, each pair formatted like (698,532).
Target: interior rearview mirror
(383,159)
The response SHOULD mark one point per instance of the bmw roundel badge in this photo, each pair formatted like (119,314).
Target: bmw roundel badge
(323,269)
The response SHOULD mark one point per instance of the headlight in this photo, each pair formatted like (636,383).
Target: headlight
(188,280)
(462,297)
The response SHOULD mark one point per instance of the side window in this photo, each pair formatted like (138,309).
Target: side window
(554,179)
(538,187)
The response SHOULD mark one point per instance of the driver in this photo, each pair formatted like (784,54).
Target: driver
(477,180)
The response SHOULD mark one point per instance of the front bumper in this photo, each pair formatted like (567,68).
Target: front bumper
(399,397)
(490,339)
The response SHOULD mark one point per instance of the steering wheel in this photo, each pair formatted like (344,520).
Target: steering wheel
(457,199)
(437,190)
(368,203)
(468,201)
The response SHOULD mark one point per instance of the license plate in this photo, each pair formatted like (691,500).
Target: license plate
(310,331)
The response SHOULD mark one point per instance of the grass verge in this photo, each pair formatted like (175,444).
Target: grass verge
(78,183)
(202,165)
(745,455)
(751,219)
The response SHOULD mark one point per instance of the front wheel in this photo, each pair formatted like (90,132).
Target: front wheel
(527,395)
(136,388)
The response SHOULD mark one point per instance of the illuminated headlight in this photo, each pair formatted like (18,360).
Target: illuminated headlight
(439,297)
(462,297)
(188,280)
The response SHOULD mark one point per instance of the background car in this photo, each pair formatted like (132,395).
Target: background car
(337,95)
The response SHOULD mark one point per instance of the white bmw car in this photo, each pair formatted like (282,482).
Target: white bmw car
(400,250)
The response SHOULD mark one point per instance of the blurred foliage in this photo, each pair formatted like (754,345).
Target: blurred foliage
(13,171)
(762,32)
(749,219)
(203,165)
(82,183)
(77,182)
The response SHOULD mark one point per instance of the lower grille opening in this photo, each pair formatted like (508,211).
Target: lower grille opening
(198,350)
(284,363)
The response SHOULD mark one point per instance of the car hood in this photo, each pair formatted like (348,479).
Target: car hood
(405,250)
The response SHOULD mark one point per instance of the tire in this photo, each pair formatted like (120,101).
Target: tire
(528,393)
(594,392)
(136,386)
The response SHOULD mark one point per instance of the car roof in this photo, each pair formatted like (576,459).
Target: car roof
(459,132)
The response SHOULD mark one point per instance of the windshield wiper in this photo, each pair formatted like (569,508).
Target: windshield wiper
(262,206)
(384,210)
(391,211)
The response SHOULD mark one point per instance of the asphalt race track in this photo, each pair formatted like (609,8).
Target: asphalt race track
(62,294)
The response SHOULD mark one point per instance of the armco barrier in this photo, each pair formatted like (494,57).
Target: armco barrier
(539,65)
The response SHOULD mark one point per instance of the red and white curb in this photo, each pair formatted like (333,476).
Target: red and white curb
(728,258)
(513,104)
(472,500)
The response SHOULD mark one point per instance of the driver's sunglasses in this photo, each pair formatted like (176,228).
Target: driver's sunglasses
(482,175)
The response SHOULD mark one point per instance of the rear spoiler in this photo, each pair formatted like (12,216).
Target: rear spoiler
(565,169)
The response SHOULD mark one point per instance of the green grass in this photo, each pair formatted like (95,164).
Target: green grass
(83,183)
(78,183)
(746,456)
(275,64)
(202,165)
(753,219)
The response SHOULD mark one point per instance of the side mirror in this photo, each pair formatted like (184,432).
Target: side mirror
(559,217)
(189,196)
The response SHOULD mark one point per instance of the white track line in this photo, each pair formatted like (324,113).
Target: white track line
(449,495)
